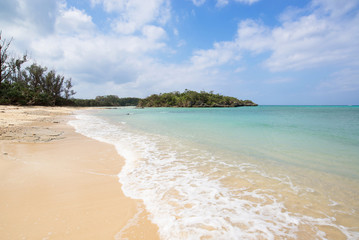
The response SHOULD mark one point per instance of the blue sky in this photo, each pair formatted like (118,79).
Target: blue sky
(272,52)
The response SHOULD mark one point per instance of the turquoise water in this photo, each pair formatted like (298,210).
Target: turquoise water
(270,172)
(323,138)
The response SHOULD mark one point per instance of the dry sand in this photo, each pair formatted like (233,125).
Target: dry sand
(57,184)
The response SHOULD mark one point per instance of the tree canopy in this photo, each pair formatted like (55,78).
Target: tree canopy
(34,85)
(109,100)
(190,98)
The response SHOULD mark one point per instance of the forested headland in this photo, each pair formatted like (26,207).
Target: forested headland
(192,99)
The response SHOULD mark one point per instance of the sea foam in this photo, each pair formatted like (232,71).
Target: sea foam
(182,189)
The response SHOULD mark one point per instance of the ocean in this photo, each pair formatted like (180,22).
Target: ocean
(266,172)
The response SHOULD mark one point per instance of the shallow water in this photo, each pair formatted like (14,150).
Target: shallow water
(269,172)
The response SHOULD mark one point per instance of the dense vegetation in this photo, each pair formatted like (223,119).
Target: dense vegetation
(110,100)
(34,85)
(192,99)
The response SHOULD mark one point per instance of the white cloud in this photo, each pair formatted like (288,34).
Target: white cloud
(221,3)
(323,35)
(153,77)
(73,21)
(76,48)
(247,1)
(333,7)
(222,53)
(198,2)
(27,20)
(98,57)
(158,77)
(251,36)
(320,38)
(153,33)
(133,15)
(40,14)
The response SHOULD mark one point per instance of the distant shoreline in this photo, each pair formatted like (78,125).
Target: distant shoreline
(194,99)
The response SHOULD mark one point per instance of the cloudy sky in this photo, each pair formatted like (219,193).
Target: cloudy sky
(273,52)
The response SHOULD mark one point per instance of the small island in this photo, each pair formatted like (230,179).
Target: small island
(192,99)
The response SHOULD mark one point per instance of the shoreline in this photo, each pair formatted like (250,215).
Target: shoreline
(58,184)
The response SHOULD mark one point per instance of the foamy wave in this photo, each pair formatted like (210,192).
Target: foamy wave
(188,203)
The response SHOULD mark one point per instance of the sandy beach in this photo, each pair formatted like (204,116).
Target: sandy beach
(58,184)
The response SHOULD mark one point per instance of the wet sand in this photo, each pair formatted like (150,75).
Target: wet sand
(58,184)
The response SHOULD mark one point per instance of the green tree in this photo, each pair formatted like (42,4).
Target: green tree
(192,99)
(4,65)
(33,86)
(68,89)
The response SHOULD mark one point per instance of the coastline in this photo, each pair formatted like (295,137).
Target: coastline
(58,184)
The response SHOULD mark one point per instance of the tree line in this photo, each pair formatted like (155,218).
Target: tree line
(37,85)
(109,100)
(33,85)
(190,98)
